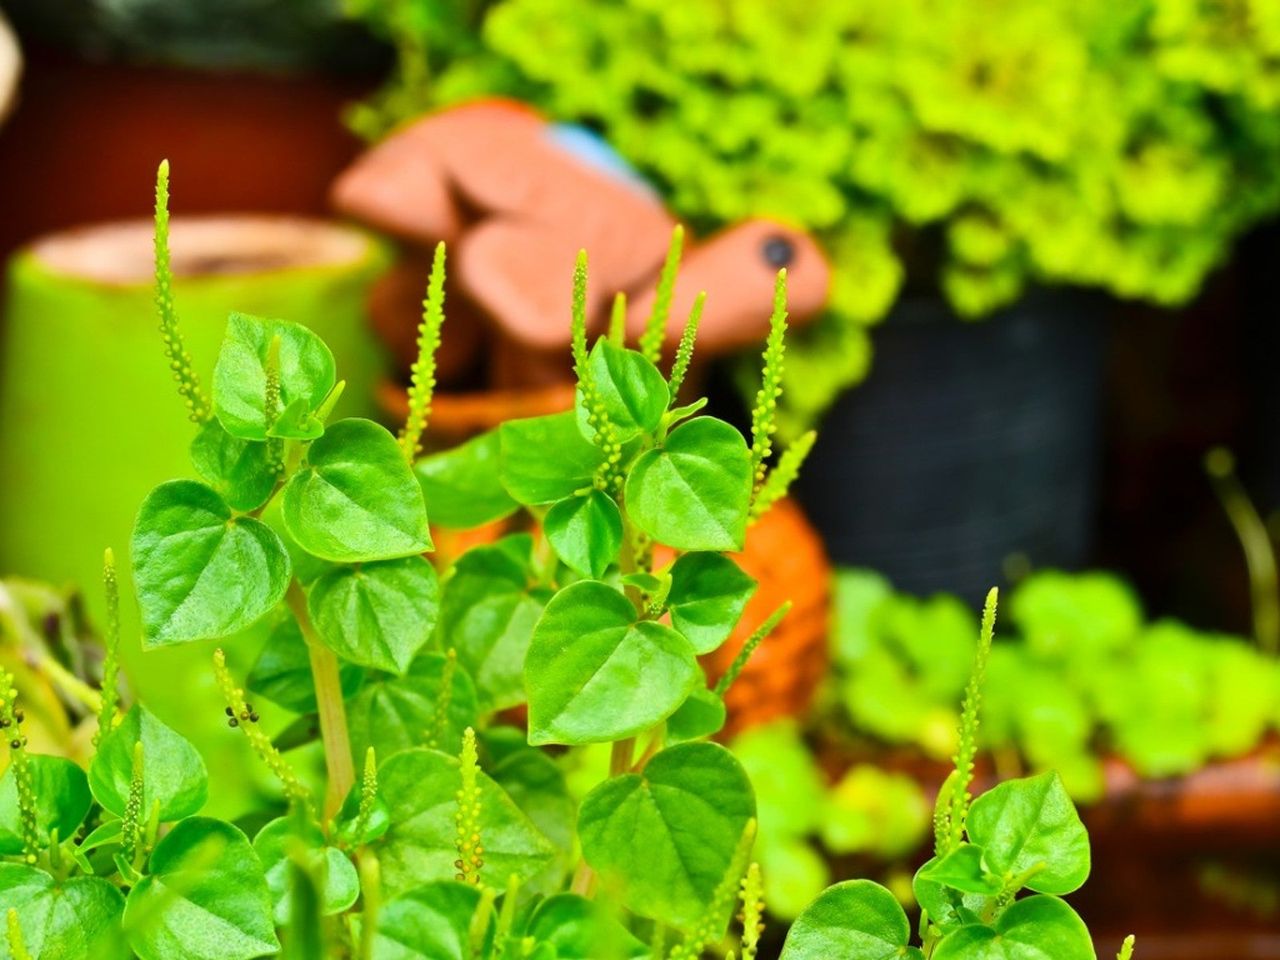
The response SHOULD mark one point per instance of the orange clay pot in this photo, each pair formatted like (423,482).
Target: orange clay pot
(783,553)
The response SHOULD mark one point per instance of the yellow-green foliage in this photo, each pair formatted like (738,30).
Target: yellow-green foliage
(1118,145)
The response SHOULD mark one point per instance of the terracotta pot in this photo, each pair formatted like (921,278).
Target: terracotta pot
(785,554)
(456,417)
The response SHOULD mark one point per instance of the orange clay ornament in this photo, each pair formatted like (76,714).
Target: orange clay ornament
(515,198)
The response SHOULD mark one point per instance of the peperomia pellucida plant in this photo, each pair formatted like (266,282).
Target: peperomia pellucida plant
(457,838)
(1021,836)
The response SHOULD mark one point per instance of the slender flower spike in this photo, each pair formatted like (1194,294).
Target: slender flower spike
(618,320)
(467,817)
(763,414)
(444,703)
(1126,950)
(368,792)
(684,353)
(609,474)
(241,714)
(780,478)
(174,349)
(655,328)
(271,403)
(968,748)
(111,641)
(11,717)
(17,946)
(752,911)
(749,647)
(422,384)
(132,828)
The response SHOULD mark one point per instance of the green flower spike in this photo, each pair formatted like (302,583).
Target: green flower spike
(467,818)
(11,717)
(175,350)
(764,413)
(241,715)
(423,378)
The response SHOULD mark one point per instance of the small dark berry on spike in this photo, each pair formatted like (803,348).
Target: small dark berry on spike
(230,712)
(233,722)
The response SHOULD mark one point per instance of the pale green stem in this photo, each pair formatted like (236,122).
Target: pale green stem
(329,705)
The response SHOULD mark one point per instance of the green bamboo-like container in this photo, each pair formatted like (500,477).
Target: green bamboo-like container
(90,419)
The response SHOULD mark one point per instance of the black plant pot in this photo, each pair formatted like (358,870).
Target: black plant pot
(971,450)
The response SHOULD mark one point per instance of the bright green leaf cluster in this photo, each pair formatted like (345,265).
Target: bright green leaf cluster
(461,842)
(1020,835)
(1078,674)
(1122,146)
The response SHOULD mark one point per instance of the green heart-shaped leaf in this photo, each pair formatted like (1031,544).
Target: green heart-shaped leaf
(594,674)
(240,377)
(432,922)
(585,531)
(487,614)
(964,869)
(856,918)
(545,459)
(173,774)
(702,715)
(582,929)
(1031,825)
(377,614)
(463,486)
(356,499)
(664,840)
(207,884)
(693,492)
(76,918)
(239,470)
(396,713)
(62,800)
(707,597)
(201,573)
(421,789)
(282,672)
(334,874)
(1032,929)
(633,391)
(538,786)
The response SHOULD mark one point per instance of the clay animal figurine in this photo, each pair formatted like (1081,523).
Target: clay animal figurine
(515,198)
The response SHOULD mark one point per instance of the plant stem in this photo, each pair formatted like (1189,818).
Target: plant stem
(1259,555)
(69,683)
(620,758)
(329,705)
(584,880)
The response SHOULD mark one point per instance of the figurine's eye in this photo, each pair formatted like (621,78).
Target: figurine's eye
(778,252)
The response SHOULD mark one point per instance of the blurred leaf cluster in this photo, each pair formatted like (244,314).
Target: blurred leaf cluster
(868,810)
(1075,673)
(978,147)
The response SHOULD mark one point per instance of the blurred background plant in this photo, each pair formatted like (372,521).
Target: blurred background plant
(971,148)
(1075,676)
